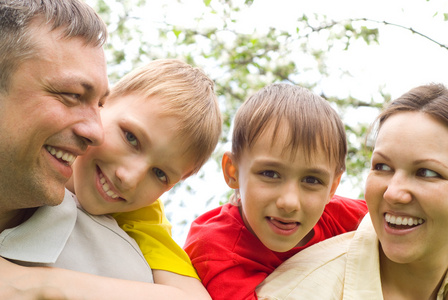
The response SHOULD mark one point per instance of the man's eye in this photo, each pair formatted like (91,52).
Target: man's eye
(270,174)
(70,99)
(161,175)
(131,138)
(72,95)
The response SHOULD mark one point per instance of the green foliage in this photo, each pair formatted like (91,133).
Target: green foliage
(242,62)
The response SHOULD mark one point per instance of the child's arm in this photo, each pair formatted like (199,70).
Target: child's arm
(191,286)
(150,228)
(75,285)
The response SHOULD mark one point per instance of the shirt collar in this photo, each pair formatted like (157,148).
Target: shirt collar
(43,236)
(362,275)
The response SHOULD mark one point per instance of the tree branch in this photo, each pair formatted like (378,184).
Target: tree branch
(404,27)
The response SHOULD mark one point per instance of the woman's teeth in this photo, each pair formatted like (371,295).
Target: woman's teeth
(404,221)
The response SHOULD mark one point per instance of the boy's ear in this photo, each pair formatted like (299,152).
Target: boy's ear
(230,170)
(334,185)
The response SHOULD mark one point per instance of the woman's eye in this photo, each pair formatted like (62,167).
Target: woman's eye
(311,180)
(427,173)
(161,175)
(270,174)
(382,167)
(132,139)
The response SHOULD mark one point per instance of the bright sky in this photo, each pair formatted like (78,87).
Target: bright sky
(401,61)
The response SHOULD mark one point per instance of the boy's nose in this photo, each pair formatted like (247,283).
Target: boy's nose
(130,175)
(289,200)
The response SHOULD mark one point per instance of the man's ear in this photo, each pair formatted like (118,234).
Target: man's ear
(334,185)
(230,170)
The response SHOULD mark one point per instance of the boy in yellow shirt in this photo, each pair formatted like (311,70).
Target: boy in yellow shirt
(161,124)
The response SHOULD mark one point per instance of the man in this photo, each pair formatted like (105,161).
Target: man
(52,82)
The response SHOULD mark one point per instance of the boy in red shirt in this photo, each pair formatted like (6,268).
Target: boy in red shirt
(288,156)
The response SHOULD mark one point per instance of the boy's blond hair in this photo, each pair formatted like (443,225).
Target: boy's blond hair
(185,93)
(311,120)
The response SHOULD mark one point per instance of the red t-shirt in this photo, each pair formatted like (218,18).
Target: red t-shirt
(231,261)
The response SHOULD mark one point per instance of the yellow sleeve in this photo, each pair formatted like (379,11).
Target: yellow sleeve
(152,231)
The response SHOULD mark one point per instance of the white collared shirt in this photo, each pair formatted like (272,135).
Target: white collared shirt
(66,236)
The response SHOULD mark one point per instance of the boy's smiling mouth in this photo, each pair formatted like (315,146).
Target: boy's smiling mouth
(283,227)
(106,188)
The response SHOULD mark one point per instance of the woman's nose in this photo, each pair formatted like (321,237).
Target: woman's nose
(398,190)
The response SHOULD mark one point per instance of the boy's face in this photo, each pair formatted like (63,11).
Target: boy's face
(140,159)
(282,196)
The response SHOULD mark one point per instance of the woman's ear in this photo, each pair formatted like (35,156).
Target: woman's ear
(230,170)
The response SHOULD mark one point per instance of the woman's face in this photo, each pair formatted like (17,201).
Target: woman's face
(407,188)
(141,158)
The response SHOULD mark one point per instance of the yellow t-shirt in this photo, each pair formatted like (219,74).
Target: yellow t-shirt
(150,228)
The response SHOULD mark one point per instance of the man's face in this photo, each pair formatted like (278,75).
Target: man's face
(49,115)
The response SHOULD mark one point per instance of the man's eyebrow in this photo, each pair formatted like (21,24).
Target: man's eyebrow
(89,88)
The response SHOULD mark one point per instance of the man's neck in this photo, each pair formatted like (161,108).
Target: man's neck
(11,219)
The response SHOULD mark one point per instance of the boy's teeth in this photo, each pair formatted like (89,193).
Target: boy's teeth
(59,154)
(106,187)
(406,221)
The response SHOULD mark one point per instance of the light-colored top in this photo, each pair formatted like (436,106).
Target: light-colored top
(152,231)
(344,267)
(67,237)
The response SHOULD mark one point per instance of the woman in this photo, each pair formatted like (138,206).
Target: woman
(400,250)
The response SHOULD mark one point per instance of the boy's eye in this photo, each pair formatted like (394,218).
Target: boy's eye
(131,138)
(382,167)
(427,173)
(161,175)
(311,180)
(270,174)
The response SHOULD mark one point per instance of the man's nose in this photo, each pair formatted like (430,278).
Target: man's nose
(90,128)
